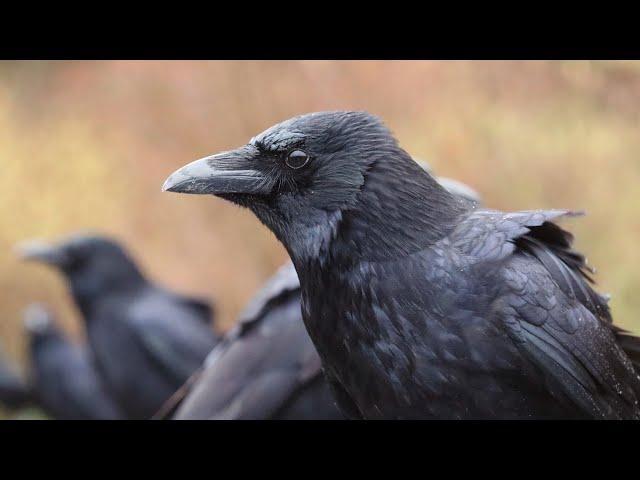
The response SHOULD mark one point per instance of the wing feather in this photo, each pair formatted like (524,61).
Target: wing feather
(558,320)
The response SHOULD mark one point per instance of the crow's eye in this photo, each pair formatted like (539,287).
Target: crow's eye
(297,159)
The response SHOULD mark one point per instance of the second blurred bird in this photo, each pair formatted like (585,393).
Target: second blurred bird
(62,377)
(146,341)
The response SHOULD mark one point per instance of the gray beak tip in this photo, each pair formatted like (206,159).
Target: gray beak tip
(30,249)
(184,179)
(41,252)
(36,318)
(166,186)
(173,180)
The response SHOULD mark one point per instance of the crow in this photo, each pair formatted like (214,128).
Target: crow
(63,378)
(423,305)
(267,366)
(146,341)
(14,392)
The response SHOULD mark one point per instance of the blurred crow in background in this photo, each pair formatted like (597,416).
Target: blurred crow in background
(62,376)
(420,304)
(267,367)
(146,341)
(14,392)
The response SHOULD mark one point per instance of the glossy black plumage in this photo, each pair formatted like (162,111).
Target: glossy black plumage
(420,304)
(267,367)
(62,375)
(146,341)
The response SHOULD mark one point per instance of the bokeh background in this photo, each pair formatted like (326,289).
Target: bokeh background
(86,145)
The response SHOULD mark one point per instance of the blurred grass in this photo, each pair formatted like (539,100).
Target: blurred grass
(86,145)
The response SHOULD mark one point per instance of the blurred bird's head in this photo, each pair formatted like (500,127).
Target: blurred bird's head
(301,176)
(39,323)
(92,264)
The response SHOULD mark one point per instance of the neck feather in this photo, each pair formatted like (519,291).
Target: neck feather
(400,210)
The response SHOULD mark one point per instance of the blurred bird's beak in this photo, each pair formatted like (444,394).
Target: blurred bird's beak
(36,318)
(228,172)
(39,251)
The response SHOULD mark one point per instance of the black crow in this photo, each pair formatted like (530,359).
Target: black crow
(63,378)
(420,304)
(146,341)
(14,392)
(267,366)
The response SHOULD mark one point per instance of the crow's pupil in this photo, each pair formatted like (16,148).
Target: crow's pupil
(297,159)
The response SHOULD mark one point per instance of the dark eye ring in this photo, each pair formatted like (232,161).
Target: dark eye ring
(297,159)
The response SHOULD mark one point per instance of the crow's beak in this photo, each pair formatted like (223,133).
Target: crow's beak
(43,252)
(228,172)
(36,318)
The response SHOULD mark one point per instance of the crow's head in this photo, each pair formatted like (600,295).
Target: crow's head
(39,323)
(93,265)
(318,160)
(303,174)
